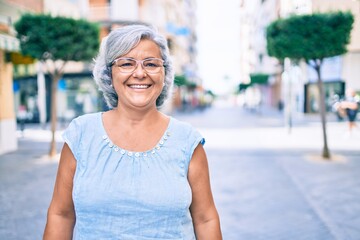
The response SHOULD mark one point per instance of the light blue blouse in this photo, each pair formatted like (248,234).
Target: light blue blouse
(126,195)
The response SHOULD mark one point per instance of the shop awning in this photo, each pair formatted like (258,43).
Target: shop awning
(9,43)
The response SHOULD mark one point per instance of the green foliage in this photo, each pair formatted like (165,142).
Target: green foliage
(191,85)
(243,87)
(255,78)
(57,38)
(209,92)
(259,78)
(180,80)
(310,37)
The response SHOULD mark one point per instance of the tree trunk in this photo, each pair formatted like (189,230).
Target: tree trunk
(325,152)
(55,80)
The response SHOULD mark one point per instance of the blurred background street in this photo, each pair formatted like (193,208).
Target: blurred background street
(253,76)
(267,183)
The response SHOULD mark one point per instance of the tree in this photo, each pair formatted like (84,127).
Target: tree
(311,38)
(56,41)
(180,80)
(259,78)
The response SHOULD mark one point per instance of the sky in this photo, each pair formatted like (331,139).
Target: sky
(218,27)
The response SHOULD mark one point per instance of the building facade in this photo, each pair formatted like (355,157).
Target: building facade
(255,16)
(338,73)
(10,11)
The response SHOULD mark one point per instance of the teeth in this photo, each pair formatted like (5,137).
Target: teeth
(139,86)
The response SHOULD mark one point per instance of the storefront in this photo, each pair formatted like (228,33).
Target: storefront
(8,140)
(334,85)
(334,91)
(77,95)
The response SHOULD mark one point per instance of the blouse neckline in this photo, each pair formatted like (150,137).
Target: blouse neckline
(161,142)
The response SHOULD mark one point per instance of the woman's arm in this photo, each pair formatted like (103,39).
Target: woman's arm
(350,105)
(205,217)
(61,214)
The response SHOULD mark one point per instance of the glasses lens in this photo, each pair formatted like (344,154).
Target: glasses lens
(152,65)
(126,65)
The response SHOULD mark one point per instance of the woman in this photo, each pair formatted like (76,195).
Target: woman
(132,172)
(351,105)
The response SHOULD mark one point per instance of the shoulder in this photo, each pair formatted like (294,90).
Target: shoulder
(186,131)
(181,128)
(89,117)
(85,120)
(78,124)
(80,131)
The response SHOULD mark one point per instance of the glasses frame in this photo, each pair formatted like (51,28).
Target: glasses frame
(137,64)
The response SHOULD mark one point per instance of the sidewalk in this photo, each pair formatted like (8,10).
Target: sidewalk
(26,182)
(242,129)
(281,195)
(267,183)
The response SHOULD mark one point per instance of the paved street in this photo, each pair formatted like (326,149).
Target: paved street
(267,183)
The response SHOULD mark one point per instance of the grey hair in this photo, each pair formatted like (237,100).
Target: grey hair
(118,43)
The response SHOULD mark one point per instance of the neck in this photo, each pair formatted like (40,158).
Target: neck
(136,116)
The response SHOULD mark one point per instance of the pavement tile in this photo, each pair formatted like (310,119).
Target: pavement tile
(333,190)
(256,199)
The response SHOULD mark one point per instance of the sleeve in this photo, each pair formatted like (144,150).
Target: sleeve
(72,136)
(195,138)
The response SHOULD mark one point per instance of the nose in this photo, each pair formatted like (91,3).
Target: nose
(139,71)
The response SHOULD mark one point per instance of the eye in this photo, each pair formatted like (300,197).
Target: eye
(150,64)
(153,63)
(126,63)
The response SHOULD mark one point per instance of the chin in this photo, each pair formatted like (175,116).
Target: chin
(144,104)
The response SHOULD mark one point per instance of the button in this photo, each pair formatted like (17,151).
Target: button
(165,138)
(157,147)
(137,154)
(116,149)
(107,140)
(130,154)
(122,151)
(161,142)
(145,154)
(153,151)
(104,137)
(111,145)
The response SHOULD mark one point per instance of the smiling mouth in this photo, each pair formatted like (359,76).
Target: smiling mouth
(139,86)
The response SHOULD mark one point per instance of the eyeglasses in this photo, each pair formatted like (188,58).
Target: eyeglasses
(128,65)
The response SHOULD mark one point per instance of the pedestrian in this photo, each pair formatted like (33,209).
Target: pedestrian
(22,116)
(132,172)
(351,106)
